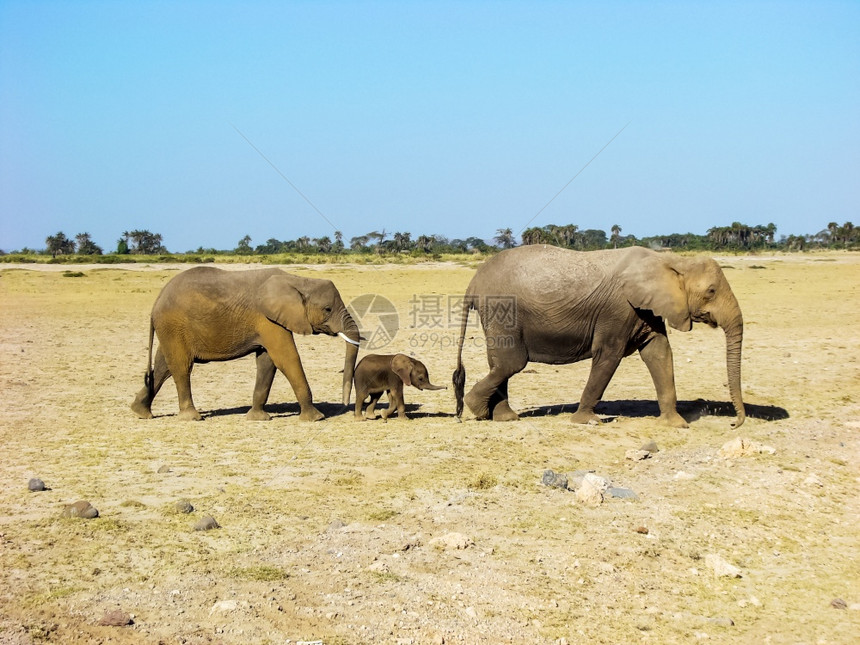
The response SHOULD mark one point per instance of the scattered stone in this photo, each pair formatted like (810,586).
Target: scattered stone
(163,469)
(721,621)
(82,509)
(637,455)
(574,479)
(411,543)
(601,483)
(336,525)
(556,480)
(36,485)
(720,567)
(621,493)
(650,446)
(452,542)
(642,530)
(183,506)
(740,447)
(224,606)
(206,523)
(589,493)
(683,476)
(116,618)
(838,603)
(813,480)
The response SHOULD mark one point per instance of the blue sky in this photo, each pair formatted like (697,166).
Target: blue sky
(454,118)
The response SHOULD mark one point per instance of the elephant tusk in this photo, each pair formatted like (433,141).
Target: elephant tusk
(348,339)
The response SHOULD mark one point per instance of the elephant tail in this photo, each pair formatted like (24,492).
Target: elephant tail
(459,376)
(147,377)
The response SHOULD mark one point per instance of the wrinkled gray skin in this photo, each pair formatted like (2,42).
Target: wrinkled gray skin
(602,305)
(378,373)
(207,314)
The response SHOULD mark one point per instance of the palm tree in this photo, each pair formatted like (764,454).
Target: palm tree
(616,235)
(359,242)
(505,238)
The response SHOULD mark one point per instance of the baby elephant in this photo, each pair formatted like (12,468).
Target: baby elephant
(378,373)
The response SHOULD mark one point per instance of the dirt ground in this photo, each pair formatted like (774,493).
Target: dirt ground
(428,530)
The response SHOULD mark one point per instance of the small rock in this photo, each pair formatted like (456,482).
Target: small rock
(206,523)
(451,542)
(642,530)
(838,603)
(163,469)
(739,447)
(116,618)
(722,621)
(574,479)
(650,446)
(589,493)
(556,480)
(183,506)
(683,476)
(36,485)
(336,525)
(720,567)
(601,483)
(813,480)
(224,606)
(411,543)
(621,493)
(82,509)
(637,455)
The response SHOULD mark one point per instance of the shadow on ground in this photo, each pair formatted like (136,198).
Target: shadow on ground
(690,410)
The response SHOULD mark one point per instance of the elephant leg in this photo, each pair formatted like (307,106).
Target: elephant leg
(657,356)
(142,405)
(265,377)
(604,362)
(281,348)
(360,396)
(370,413)
(396,403)
(489,396)
(180,368)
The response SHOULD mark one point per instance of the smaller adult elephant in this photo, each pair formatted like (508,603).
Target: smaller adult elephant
(207,314)
(552,305)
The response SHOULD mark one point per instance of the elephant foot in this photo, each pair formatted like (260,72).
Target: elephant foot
(585,417)
(503,412)
(141,409)
(257,414)
(311,414)
(479,407)
(673,420)
(190,414)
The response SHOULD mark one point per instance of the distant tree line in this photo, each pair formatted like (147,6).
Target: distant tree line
(736,237)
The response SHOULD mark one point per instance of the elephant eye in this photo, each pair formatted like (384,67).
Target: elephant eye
(711,292)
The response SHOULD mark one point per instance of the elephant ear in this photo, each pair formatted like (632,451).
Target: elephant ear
(402,366)
(283,304)
(649,281)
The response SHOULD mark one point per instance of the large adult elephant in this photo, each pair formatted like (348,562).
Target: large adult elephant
(550,305)
(208,314)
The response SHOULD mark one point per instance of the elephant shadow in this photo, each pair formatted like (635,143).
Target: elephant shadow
(286,410)
(690,410)
(281,410)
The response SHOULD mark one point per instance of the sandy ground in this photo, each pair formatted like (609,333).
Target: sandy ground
(428,530)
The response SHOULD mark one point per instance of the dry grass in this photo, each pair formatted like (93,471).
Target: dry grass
(326,527)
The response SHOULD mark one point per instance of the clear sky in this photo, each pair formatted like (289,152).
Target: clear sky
(455,118)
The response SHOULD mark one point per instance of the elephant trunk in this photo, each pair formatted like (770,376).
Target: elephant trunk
(733,326)
(352,335)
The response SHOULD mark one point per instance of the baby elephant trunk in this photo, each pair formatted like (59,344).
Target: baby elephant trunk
(430,386)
